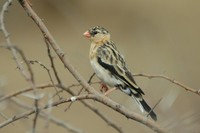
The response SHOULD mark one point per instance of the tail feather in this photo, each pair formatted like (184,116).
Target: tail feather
(145,107)
(141,102)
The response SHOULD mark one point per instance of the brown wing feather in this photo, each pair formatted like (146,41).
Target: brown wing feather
(111,59)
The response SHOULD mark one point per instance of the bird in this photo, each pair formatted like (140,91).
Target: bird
(110,67)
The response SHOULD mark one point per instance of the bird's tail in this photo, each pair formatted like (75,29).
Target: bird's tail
(145,107)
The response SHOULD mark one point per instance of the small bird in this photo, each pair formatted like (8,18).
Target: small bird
(111,68)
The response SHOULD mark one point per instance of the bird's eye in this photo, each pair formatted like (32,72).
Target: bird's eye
(95,32)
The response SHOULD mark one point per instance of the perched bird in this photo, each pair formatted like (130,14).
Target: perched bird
(110,66)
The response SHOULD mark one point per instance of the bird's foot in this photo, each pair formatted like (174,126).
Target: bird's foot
(109,91)
(104,88)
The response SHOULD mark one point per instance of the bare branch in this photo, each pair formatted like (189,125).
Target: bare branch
(2,25)
(48,71)
(171,80)
(91,77)
(55,46)
(42,86)
(61,123)
(14,50)
(52,61)
(9,44)
(30,79)
(52,118)
(103,116)
(92,92)
(67,89)
(104,100)
(25,114)
(89,81)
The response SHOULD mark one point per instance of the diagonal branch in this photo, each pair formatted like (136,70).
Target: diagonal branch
(104,100)
(92,92)
(67,89)
(55,46)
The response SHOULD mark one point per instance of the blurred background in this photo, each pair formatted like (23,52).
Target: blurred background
(155,37)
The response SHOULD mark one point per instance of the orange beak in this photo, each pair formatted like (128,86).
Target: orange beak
(87,34)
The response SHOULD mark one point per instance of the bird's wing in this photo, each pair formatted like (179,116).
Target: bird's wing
(110,58)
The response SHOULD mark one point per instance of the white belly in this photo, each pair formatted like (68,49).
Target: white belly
(104,75)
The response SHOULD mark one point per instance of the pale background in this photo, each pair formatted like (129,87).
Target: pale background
(155,37)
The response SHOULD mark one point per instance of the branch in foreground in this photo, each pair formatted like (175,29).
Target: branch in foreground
(98,97)
(48,116)
(103,117)
(171,80)
(42,86)
(116,106)
(28,75)
(105,100)
(67,89)
(79,92)
(32,111)
(95,110)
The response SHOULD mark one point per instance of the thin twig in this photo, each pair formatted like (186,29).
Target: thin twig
(4,116)
(32,111)
(67,89)
(70,104)
(103,117)
(41,86)
(52,61)
(8,40)
(154,107)
(104,100)
(91,77)
(89,81)
(48,71)
(28,77)
(59,122)
(55,46)
(13,94)
(51,118)
(171,80)
(44,86)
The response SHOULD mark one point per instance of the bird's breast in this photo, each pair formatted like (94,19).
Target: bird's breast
(103,74)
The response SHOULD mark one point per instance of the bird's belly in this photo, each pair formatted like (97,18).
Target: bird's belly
(104,75)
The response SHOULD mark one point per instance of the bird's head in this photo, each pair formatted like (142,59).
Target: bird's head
(97,34)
